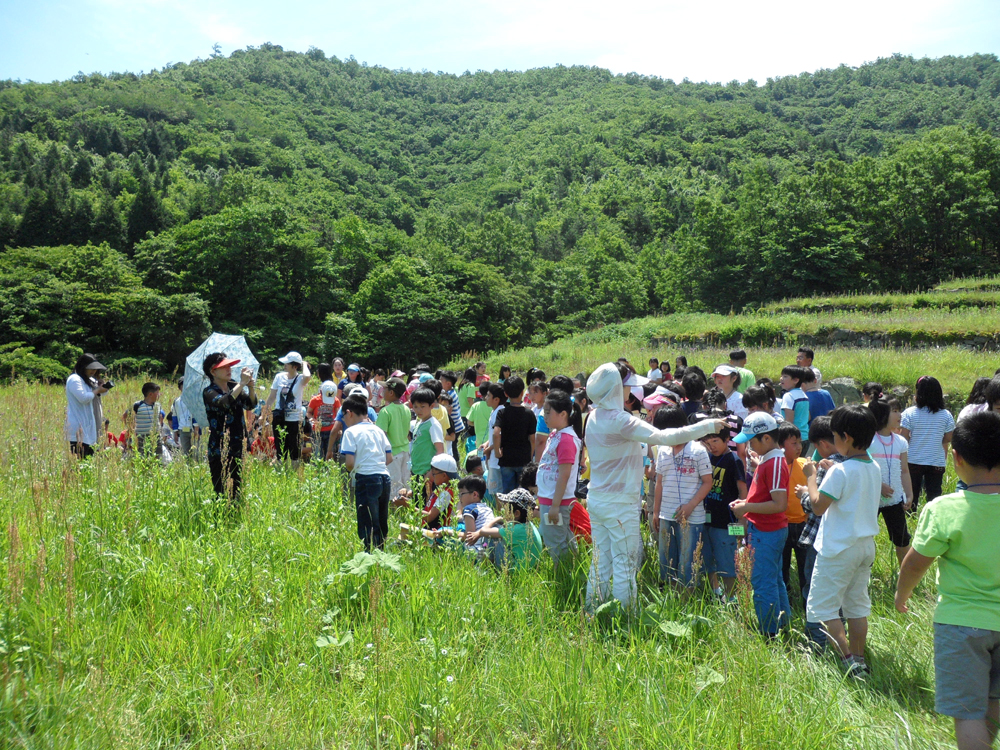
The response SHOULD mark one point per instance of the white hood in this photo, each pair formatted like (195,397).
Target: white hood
(614,437)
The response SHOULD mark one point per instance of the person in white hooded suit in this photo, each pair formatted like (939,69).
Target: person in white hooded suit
(613,444)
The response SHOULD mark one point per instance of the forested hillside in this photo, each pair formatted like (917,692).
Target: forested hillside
(332,207)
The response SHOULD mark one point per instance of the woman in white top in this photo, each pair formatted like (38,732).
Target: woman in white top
(84,415)
(928,428)
(286,393)
(728,379)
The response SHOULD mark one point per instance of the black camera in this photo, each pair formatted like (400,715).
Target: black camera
(109,384)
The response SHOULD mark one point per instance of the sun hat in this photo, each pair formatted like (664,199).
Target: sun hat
(444,462)
(328,390)
(398,374)
(635,379)
(291,357)
(354,367)
(425,376)
(519,497)
(756,424)
(223,363)
(724,370)
(361,391)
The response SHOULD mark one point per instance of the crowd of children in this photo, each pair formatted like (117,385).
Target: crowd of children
(728,472)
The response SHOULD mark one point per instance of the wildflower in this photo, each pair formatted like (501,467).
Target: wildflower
(450,678)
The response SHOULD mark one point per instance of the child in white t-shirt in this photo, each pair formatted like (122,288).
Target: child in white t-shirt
(367,454)
(847,502)
(890,452)
(683,481)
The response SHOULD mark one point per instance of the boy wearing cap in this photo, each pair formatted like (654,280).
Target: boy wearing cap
(286,392)
(441,493)
(367,453)
(323,409)
(767,525)
(848,503)
(394,421)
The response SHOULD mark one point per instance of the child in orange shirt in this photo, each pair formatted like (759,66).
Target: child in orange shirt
(790,440)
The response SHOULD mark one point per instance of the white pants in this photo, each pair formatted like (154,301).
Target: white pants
(614,525)
(399,472)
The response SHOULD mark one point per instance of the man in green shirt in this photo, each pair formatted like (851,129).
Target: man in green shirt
(738,360)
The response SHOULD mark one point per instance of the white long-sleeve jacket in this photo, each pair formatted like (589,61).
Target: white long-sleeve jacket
(81,424)
(613,438)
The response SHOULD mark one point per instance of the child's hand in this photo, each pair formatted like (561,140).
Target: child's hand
(801,489)
(684,512)
(901,603)
(908,503)
(753,459)
(739,508)
(654,523)
(886,490)
(471,537)
(826,463)
(809,469)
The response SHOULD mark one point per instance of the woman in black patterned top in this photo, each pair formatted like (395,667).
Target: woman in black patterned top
(225,404)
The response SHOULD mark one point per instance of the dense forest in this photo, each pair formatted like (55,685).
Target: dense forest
(336,208)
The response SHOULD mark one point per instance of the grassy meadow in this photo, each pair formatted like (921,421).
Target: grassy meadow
(138,613)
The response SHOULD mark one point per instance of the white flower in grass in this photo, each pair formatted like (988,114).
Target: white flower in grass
(444,652)
(450,678)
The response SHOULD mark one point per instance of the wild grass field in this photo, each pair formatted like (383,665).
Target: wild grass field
(136,613)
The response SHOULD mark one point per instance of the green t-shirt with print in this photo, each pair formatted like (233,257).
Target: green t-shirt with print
(961,531)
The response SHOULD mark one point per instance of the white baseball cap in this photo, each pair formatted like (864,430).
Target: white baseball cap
(291,357)
(328,390)
(725,370)
(756,424)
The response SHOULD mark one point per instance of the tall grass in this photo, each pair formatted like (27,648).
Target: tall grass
(135,614)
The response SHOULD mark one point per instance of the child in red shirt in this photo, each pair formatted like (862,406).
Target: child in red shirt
(764,509)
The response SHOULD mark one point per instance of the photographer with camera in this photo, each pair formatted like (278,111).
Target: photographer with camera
(84,415)
(286,417)
(226,404)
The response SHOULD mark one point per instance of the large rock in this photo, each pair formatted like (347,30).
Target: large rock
(903,393)
(843,391)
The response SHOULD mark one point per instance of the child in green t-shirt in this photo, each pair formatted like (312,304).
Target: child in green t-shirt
(519,545)
(479,418)
(960,531)
(394,421)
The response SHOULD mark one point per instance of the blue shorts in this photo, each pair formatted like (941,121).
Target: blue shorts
(719,551)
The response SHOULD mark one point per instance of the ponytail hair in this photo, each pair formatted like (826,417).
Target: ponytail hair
(880,409)
(562,402)
(872,390)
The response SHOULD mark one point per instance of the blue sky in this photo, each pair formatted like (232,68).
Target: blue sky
(46,40)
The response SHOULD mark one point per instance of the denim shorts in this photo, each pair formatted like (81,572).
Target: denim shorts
(966,670)
(719,551)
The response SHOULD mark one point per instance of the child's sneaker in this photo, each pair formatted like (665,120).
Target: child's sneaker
(855,668)
(720,594)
